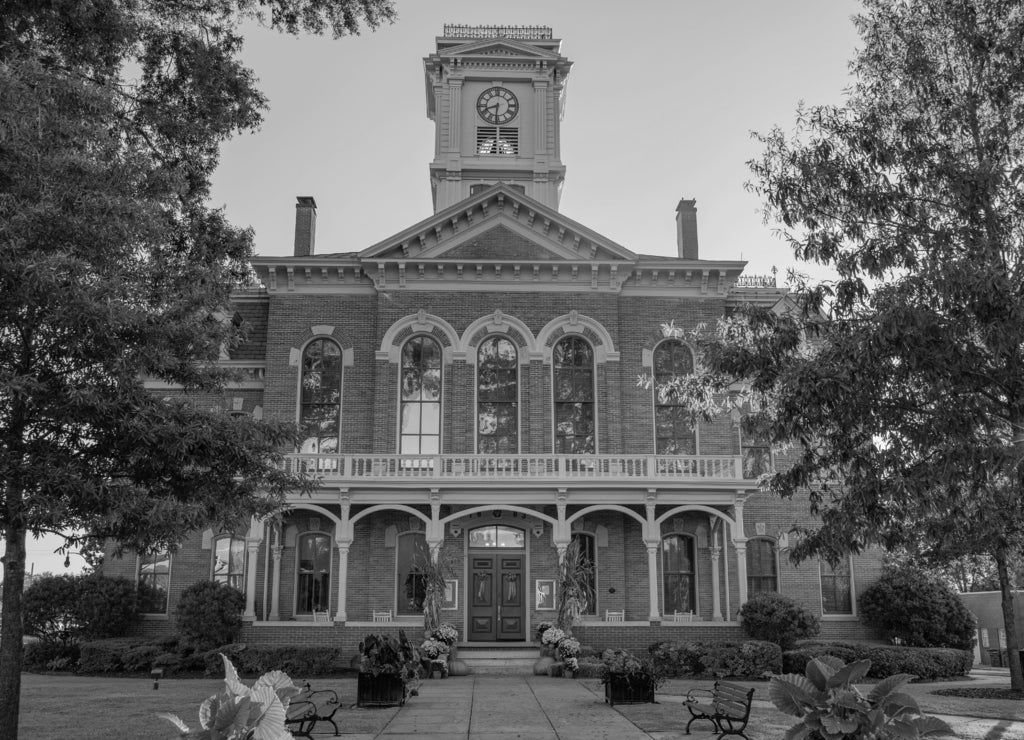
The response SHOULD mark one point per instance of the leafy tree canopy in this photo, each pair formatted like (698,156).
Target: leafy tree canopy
(897,387)
(114,269)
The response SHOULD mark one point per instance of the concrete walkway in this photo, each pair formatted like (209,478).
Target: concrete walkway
(505,707)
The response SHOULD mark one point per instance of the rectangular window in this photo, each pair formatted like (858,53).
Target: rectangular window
(836,588)
(756,453)
(154,582)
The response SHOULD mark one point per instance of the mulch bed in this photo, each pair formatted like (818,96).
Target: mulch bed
(992,692)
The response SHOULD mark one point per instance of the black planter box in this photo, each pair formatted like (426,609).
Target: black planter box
(622,689)
(385,690)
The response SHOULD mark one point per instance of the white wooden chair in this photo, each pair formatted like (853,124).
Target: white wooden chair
(681,617)
(614,616)
(382,616)
(321,616)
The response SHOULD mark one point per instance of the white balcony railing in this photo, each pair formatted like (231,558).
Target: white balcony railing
(635,468)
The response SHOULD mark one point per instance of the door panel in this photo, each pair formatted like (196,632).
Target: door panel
(501,615)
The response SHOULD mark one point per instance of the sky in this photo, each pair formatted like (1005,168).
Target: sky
(660,105)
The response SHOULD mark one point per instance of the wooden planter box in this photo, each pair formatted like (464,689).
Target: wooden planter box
(385,690)
(620,689)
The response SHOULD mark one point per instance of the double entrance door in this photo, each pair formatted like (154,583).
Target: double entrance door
(497,597)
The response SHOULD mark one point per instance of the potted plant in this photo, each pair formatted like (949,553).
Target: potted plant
(434,656)
(628,679)
(387,670)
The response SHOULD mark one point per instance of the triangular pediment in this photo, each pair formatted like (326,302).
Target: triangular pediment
(499,224)
(499,47)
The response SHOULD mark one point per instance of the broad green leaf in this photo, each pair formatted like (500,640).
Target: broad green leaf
(899,703)
(932,727)
(849,698)
(793,694)
(271,723)
(279,682)
(886,686)
(850,673)
(798,732)
(819,672)
(174,720)
(234,685)
(904,729)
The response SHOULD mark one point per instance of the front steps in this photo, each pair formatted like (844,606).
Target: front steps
(502,658)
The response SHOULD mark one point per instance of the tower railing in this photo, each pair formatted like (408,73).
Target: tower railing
(521,33)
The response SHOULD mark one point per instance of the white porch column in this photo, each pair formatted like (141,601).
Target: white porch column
(275,582)
(252,548)
(434,535)
(739,540)
(560,535)
(652,538)
(343,541)
(716,596)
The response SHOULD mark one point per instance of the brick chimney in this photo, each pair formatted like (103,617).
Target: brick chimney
(686,229)
(305,225)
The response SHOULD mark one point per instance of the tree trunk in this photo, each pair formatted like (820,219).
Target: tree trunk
(11,631)
(1006,590)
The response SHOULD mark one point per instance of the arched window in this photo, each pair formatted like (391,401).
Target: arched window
(421,397)
(411,554)
(496,535)
(575,417)
(672,430)
(314,581)
(836,587)
(229,561)
(588,552)
(497,397)
(320,397)
(762,565)
(679,573)
(154,580)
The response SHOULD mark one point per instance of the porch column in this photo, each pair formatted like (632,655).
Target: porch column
(739,540)
(275,583)
(652,538)
(342,613)
(343,541)
(716,596)
(560,535)
(252,548)
(652,580)
(434,535)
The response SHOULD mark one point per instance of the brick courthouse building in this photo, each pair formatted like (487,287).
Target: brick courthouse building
(469,386)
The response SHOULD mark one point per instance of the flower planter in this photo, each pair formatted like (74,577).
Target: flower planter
(385,690)
(621,688)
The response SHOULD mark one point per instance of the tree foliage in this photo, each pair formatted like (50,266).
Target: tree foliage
(919,609)
(68,609)
(114,269)
(209,615)
(898,385)
(777,618)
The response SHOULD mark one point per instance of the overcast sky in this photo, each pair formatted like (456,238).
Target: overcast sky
(661,101)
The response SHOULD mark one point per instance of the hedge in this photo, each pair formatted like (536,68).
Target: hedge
(927,664)
(297,662)
(748,659)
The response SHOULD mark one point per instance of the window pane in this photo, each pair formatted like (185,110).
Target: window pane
(154,579)
(672,431)
(421,396)
(412,553)
(762,572)
(314,555)
(320,396)
(430,422)
(835,588)
(497,397)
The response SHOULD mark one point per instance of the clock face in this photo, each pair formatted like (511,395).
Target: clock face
(497,105)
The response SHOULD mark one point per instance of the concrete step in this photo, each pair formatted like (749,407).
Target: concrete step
(499,658)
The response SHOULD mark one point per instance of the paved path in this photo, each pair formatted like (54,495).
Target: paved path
(506,708)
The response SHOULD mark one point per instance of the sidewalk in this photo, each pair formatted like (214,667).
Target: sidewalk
(540,708)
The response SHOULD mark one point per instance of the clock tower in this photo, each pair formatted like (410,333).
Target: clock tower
(495,94)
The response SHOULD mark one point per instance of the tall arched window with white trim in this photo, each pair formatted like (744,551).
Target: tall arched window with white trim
(673,433)
(229,561)
(762,565)
(497,397)
(154,581)
(411,555)
(320,397)
(420,431)
(573,385)
(679,574)
(314,576)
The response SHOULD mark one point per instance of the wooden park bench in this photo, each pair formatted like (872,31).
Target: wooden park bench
(726,706)
(310,707)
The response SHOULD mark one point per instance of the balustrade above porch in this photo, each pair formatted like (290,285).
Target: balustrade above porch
(536,468)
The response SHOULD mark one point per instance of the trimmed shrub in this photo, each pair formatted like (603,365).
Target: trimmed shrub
(67,609)
(777,618)
(209,614)
(295,661)
(170,662)
(140,659)
(590,667)
(927,664)
(104,656)
(679,658)
(50,656)
(918,609)
(750,659)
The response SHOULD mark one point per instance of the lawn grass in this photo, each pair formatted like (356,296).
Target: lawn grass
(57,707)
